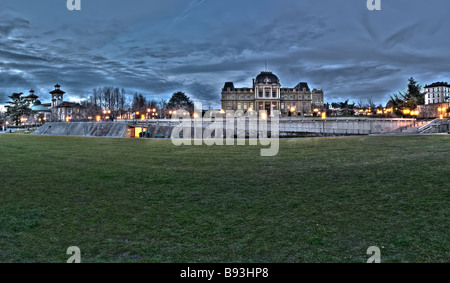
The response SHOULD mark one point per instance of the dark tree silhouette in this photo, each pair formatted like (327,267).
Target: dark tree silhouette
(180,100)
(17,108)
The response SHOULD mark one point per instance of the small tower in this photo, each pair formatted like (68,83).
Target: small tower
(57,96)
(57,99)
(31,99)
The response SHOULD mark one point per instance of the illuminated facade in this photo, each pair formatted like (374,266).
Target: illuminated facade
(437,93)
(267,94)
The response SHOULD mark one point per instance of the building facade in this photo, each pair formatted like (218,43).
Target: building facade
(437,93)
(268,94)
(63,110)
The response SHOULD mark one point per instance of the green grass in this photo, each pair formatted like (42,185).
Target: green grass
(27,132)
(319,200)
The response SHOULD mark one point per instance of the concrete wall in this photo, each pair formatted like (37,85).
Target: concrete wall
(288,127)
(432,110)
(84,129)
(349,126)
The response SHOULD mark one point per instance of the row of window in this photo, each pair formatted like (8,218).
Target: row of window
(262,106)
(267,95)
(440,89)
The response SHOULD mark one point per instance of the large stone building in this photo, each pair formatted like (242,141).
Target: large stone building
(437,93)
(267,94)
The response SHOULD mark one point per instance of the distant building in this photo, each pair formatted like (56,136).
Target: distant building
(317,98)
(63,110)
(437,93)
(56,110)
(267,94)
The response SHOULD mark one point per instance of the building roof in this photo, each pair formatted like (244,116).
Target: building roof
(301,86)
(267,78)
(32,96)
(438,84)
(46,104)
(66,104)
(229,85)
(57,91)
(40,107)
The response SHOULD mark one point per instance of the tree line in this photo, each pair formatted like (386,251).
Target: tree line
(116,100)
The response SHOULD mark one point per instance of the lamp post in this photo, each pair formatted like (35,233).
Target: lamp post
(442,112)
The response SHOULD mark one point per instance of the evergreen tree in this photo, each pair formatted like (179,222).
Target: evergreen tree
(413,96)
(180,100)
(18,107)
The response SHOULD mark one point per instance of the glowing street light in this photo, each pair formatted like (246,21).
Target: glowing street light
(441,111)
(264,116)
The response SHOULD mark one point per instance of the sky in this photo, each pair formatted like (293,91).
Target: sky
(158,47)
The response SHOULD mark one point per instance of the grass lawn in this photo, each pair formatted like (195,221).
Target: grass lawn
(319,200)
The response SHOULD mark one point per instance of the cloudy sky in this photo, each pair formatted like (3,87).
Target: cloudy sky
(158,47)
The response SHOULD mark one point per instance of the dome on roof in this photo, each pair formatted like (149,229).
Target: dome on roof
(267,78)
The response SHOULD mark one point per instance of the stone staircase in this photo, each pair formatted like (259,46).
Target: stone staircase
(427,127)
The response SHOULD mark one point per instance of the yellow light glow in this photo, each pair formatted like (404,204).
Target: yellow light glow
(142,117)
(324,115)
(154,109)
(442,117)
(98,118)
(316,110)
(195,115)
(264,116)
(137,131)
(293,109)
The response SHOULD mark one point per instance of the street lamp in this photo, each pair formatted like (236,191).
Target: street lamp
(441,111)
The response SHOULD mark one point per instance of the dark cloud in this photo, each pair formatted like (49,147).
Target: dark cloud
(160,47)
(8,26)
